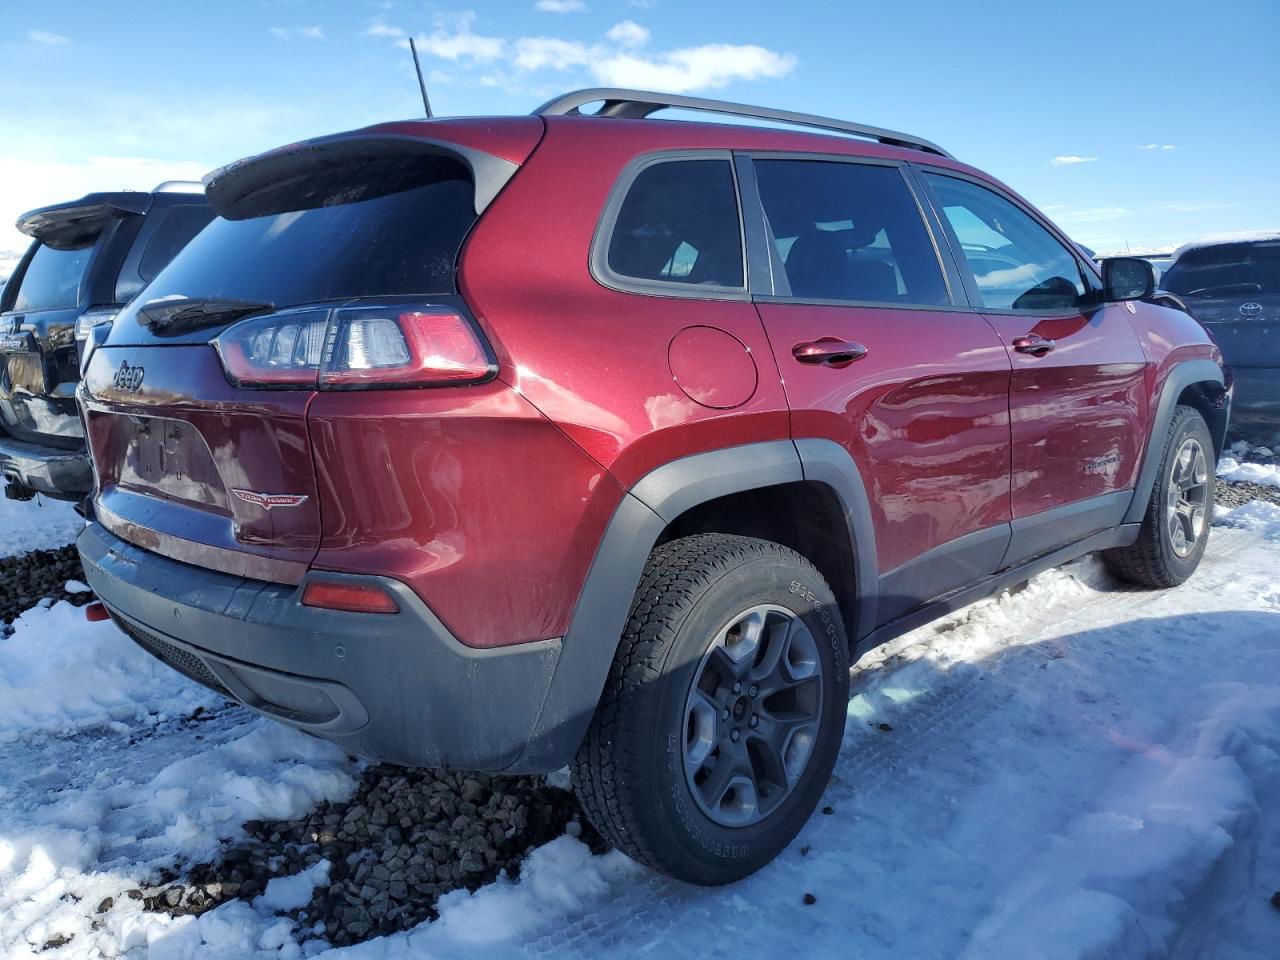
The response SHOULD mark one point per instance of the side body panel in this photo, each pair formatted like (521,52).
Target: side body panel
(596,361)
(924,417)
(1077,415)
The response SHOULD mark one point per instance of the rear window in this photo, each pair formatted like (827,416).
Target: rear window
(393,244)
(52,279)
(1237,269)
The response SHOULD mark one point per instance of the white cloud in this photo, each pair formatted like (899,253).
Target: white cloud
(560,6)
(453,39)
(693,68)
(380,28)
(1067,214)
(44,36)
(309,33)
(614,61)
(628,33)
(1070,160)
(537,53)
(1157,146)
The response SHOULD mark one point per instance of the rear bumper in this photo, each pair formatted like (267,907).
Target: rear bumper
(394,687)
(59,473)
(1257,396)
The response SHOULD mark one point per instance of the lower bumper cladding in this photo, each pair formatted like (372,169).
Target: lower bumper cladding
(394,687)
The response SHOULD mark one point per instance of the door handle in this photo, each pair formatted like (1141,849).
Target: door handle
(829,352)
(1034,344)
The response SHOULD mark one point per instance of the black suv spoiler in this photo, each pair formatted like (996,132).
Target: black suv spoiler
(316,172)
(77,221)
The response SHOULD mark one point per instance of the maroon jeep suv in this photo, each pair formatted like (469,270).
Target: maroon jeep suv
(592,439)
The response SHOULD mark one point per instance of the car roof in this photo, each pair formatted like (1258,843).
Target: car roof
(1226,239)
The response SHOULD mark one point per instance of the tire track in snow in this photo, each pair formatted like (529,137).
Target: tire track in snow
(870,760)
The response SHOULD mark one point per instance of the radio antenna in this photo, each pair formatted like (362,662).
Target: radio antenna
(426,104)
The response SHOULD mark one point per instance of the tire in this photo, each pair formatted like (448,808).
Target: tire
(1158,559)
(700,601)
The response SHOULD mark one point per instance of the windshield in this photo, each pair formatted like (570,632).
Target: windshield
(399,243)
(1236,269)
(52,279)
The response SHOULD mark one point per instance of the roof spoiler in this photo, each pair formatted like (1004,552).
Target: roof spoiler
(78,221)
(274,182)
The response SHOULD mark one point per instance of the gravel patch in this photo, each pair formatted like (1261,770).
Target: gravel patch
(1237,494)
(406,838)
(27,579)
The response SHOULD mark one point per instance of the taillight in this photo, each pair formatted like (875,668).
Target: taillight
(355,347)
(278,350)
(352,597)
(376,347)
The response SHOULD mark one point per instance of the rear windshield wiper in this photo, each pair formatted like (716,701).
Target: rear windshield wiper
(1225,289)
(191,313)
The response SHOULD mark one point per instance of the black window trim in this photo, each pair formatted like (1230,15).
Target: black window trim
(604,275)
(1088,271)
(770,280)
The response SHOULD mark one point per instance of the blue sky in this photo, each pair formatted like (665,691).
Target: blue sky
(1127,122)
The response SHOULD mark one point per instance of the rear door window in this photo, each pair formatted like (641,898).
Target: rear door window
(1015,262)
(679,226)
(849,232)
(52,279)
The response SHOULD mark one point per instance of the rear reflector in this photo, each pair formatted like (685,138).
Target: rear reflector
(355,347)
(353,597)
(96,611)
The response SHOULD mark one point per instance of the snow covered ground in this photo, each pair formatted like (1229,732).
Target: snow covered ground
(1074,769)
(39,524)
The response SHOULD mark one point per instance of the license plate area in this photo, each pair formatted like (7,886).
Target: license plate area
(168,458)
(157,449)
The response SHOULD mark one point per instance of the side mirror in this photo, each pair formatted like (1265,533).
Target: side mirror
(1127,278)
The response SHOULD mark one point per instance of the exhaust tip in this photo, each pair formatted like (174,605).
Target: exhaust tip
(96,611)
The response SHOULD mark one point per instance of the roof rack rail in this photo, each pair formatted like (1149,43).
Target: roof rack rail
(638,104)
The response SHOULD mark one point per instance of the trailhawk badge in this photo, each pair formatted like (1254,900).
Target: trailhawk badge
(268,500)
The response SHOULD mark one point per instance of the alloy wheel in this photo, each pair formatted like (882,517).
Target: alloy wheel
(752,715)
(1188,495)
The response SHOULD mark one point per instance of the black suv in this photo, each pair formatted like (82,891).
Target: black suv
(87,259)
(1232,286)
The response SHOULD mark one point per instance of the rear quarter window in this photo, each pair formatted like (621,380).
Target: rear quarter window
(677,227)
(163,234)
(52,278)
